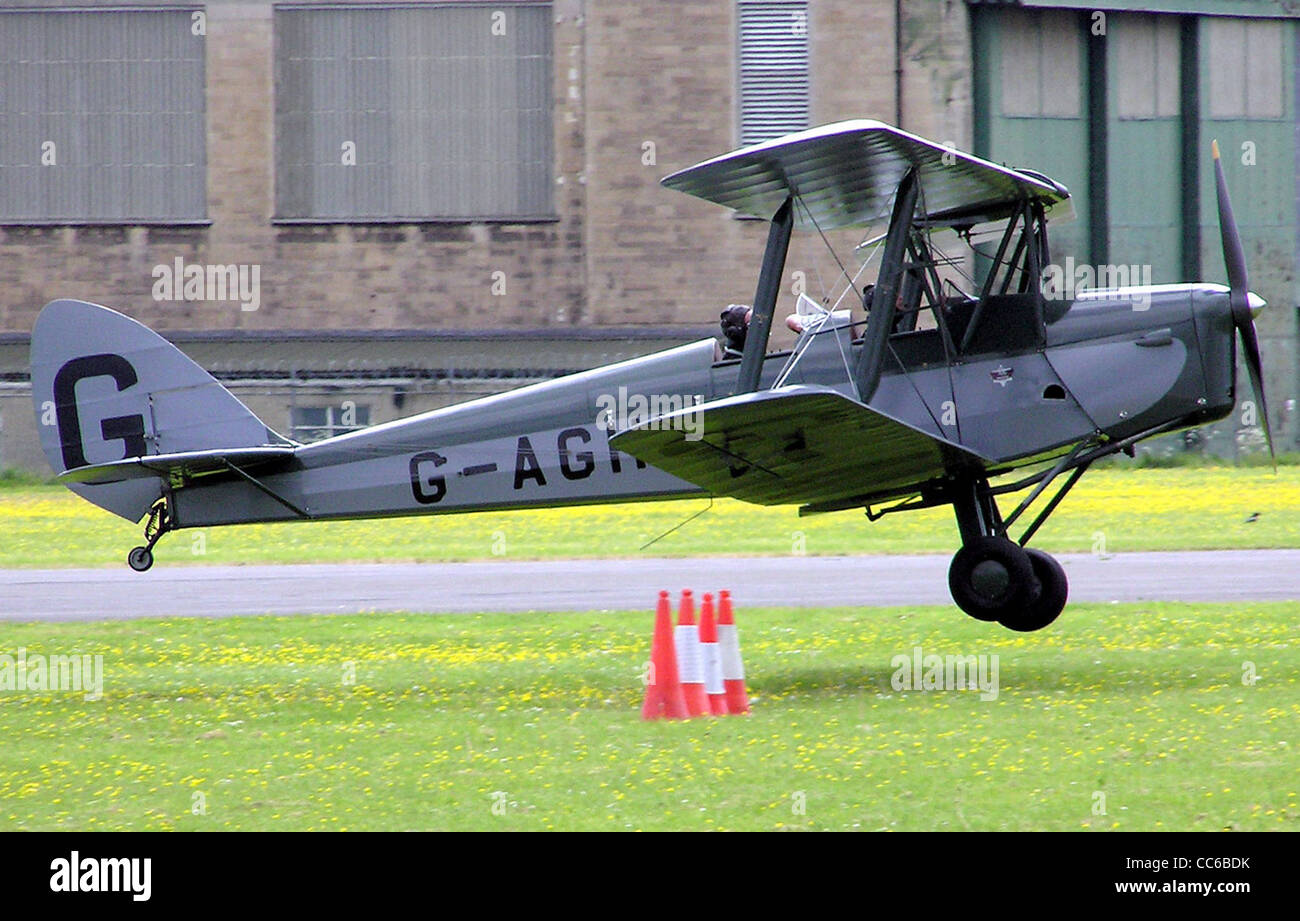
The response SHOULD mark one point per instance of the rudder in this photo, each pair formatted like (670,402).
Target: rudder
(105,388)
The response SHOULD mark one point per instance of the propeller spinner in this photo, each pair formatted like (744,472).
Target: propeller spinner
(1243,303)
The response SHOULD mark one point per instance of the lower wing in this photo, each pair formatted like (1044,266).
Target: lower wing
(801,444)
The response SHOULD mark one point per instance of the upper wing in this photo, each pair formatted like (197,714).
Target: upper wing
(846,173)
(801,444)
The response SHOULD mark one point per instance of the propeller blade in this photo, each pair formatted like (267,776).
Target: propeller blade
(1234,260)
(1234,257)
(1250,346)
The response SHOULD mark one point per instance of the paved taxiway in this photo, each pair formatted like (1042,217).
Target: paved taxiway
(505,585)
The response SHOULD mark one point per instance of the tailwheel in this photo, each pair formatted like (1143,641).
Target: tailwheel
(159,523)
(993,578)
(140,558)
(1050,600)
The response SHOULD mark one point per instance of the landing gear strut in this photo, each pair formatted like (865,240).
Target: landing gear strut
(159,523)
(993,578)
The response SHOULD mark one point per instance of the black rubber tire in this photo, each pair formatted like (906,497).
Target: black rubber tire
(1049,603)
(991,577)
(140,558)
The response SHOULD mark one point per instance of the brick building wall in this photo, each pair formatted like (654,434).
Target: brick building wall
(621,251)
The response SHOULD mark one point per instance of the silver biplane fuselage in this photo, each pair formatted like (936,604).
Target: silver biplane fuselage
(1105,370)
(936,392)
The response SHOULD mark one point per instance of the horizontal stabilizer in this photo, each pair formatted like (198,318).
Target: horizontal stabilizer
(801,444)
(185,464)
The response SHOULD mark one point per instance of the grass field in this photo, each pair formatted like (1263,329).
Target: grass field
(1111,510)
(1127,717)
(403,721)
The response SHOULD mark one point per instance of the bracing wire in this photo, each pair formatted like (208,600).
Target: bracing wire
(679,525)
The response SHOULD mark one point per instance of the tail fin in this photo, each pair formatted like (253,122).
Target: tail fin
(108,389)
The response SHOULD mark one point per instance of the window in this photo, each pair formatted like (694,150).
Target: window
(101,116)
(774,78)
(413,113)
(312,423)
(1147,57)
(1246,68)
(1040,63)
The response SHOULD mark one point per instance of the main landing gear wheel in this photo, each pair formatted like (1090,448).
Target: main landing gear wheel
(1049,603)
(992,578)
(140,558)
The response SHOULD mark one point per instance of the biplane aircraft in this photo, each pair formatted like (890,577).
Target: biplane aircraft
(943,387)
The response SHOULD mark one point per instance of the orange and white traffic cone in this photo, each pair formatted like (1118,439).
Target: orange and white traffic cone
(733,669)
(690,665)
(663,691)
(713,685)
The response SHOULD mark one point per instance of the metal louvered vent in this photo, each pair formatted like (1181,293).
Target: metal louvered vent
(773,54)
(101,116)
(415,112)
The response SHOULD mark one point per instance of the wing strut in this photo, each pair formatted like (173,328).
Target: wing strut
(300,512)
(880,322)
(769,286)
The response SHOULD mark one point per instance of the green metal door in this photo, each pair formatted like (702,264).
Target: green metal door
(1030,88)
(1143,144)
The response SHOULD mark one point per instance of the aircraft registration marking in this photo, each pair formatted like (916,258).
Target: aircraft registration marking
(574,457)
